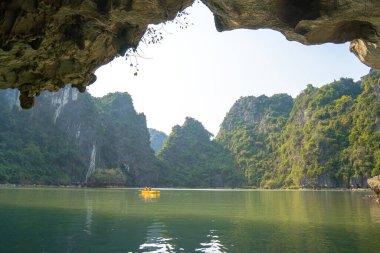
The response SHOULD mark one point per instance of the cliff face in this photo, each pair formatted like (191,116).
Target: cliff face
(67,135)
(256,112)
(46,44)
(316,135)
(252,130)
(329,137)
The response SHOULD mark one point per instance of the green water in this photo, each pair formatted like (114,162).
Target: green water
(119,220)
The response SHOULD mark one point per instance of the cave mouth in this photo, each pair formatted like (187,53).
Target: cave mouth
(293,11)
(44,44)
(207,66)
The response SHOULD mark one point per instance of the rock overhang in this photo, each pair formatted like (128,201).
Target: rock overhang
(45,44)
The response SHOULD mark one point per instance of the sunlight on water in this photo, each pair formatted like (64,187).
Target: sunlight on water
(89,211)
(155,242)
(213,246)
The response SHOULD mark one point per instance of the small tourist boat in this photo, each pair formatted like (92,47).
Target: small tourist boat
(149,192)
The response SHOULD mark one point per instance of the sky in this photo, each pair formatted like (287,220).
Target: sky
(200,73)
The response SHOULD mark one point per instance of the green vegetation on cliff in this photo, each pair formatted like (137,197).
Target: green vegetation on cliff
(363,154)
(68,134)
(124,140)
(31,150)
(329,137)
(315,136)
(190,159)
(252,131)
(107,177)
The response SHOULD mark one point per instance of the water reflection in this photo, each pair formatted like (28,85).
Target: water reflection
(149,197)
(156,240)
(214,245)
(89,212)
(374,212)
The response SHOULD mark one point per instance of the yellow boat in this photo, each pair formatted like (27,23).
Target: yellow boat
(149,192)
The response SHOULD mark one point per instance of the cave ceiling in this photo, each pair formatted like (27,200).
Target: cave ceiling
(46,44)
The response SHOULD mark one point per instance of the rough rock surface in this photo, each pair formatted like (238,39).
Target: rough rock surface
(45,44)
(358,181)
(374,184)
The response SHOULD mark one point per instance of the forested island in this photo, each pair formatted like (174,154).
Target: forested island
(326,137)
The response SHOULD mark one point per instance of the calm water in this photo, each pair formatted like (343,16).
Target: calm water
(118,220)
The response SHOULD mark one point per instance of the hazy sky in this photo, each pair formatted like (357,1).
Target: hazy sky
(200,72)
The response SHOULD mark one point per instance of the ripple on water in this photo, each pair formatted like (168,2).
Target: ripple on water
(213,245)
(156,242)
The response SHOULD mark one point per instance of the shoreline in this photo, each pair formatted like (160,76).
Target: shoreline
(184,189)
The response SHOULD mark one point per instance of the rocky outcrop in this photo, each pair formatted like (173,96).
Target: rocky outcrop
(45,44)
(328,181)
(374,184)
(319,182)
(358,181)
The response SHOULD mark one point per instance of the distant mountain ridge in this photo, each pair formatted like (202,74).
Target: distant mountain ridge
(326,137)
(157,139)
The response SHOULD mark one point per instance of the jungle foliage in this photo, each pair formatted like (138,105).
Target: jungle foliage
(191,159)
(325,138)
